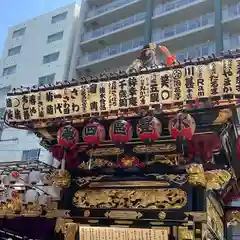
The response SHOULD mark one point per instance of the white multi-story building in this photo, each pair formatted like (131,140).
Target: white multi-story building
(107,35)
(39,51)
(36,52)
(116,30)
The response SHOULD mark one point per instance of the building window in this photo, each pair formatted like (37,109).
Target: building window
(48,79)
(9,70)
(14,51)
(59,17)
(55,37)
(18,33)
(51,57)
(31,155)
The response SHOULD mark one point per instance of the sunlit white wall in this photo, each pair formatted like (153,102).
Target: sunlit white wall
(15,144)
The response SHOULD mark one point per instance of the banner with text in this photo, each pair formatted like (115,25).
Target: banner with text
(189,83)
(110,233)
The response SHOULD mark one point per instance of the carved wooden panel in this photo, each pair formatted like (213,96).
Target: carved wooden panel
(170,198)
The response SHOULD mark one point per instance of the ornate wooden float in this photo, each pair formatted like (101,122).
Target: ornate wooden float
(151,153)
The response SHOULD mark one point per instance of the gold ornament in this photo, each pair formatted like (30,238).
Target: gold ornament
(32,210)
(155,148)
(217,179)
(233,218)
(67,227)
(61,178)
(196,174)
(162,215)
(168,198)
(214,220)
(123,215)
(185,234)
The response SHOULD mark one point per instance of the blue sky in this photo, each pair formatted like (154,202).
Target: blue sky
(16,11)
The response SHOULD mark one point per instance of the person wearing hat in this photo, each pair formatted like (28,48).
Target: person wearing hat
(148,57)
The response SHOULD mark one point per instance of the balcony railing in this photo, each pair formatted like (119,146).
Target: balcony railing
(108,7)
(114,26)
(231,42)
(158,35)
(196,51)
(111,51)
(184,27)
(162,9)
(231,12)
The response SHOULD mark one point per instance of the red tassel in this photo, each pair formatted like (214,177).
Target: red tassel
(71,155)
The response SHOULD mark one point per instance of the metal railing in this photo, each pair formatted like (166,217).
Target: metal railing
(109,7)
(114,26)
(172,5)
(158,35)
(196,51)
(111,51)
(230,12)
(169,33)
(231,42)
(185,27)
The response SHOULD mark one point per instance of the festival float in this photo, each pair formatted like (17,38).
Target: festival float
(152,152)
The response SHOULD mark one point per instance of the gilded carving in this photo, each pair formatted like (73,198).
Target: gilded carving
(123,215)
(32,210)
(99,162)
(162,215)
(87,213)
(67,227)
(163,180)
(177,179)
(13,205)
(128,184)
(154,148)
(60,224)
(233,218)
(123,222)
(86,180)
(185,234)
(10,208)
(205,231)
(105,152)
(198,216)
(171,159)
(71,230)
(14,208)
(61,178)
(217,179)
(171,198)
(196,174)
(214,220)
(217,205)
